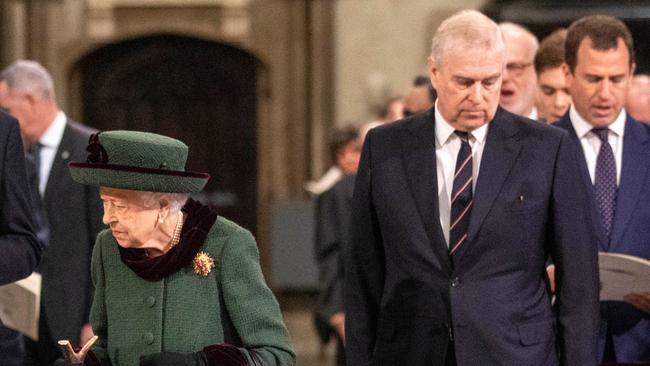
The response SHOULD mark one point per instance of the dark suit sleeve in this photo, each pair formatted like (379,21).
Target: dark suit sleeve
(20,250)
(573,250)
(364,262)
(328,255)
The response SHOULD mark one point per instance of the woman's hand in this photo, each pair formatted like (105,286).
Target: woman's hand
(174,359)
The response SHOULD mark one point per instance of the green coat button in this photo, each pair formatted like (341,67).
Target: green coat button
(148,338)
(151,301)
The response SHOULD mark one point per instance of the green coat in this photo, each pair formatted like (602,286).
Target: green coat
(185,312)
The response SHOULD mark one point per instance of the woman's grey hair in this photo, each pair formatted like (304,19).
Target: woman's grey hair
(30,77)
(175,201)
(466,30)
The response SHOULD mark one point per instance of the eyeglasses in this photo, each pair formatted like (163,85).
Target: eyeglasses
(517,68)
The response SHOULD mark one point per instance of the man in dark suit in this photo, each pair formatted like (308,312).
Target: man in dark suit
(333,209)
(614,157)
(20,251)
(333,216)
(74,212)
(446,271)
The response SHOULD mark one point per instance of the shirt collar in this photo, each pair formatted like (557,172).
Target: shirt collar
(583,127)
(444,130)
(53,135)
(533,114)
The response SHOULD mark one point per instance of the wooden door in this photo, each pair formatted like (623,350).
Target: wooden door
(198,91)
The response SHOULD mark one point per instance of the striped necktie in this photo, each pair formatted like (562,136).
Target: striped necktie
(461,194)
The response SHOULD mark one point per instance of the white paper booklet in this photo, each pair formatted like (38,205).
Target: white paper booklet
(622,274)
(20,305)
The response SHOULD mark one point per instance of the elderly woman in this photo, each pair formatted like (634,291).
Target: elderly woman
(175,284)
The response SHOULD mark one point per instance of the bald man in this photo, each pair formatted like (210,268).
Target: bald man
(638,100)
(519,81)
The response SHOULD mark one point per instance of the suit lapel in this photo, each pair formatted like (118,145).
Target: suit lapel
(499,155)
(634,170)
(419,159)
(566,124)
(59,170)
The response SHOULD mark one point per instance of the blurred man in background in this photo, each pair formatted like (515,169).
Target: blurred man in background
(74,212)
(553,98)
(421,96)
(519,81)
(638,99)
(333,210)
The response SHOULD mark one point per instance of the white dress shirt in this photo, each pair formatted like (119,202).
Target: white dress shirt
(447,147)
(50,141)
(591,142)
(533,114)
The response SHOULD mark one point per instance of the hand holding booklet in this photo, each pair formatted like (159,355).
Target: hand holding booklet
(20,305)
(622,274)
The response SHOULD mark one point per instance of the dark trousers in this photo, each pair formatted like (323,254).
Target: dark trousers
(11,347)
(44,351)
(340,352)
(451,355)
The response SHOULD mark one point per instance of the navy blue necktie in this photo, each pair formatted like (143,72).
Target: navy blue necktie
(605,181)
(461,195)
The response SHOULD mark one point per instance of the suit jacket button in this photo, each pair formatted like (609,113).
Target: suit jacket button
(148,338)
(454,282)
(151,301)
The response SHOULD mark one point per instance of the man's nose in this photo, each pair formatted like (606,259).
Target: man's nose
(561,100)
(605,89)
(475,91)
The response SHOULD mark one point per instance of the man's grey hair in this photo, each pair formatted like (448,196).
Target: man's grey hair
(175,201)
(516,30)
(467,29)
(29,77)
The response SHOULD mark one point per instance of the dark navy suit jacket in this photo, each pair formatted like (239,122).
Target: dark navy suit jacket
(405,300)
(630,235)
(20,250)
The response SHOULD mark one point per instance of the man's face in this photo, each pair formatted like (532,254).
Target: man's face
(519,80)
(19,105)
(553,97)
(468,84)
(418,100)
(348,157)
(600,82)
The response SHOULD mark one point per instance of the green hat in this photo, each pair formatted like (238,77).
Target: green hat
(138,161)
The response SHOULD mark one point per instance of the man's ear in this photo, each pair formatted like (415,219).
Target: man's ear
(434,72)
(31,99)
(568,75)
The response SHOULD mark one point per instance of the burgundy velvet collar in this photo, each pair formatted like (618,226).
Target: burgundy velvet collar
(200,219)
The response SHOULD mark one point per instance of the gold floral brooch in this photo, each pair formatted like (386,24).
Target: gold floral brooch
(203,264)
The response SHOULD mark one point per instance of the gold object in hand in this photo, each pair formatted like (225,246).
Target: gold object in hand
(69,352)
